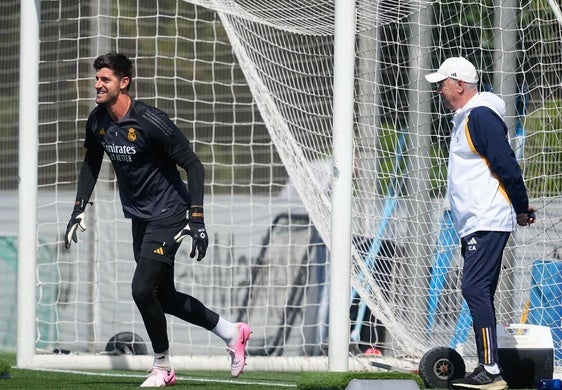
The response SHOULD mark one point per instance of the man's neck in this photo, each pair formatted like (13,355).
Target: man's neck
(120,108)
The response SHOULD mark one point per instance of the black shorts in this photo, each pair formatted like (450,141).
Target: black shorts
(155,239)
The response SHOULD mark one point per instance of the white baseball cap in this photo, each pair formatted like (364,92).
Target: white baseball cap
(457,68)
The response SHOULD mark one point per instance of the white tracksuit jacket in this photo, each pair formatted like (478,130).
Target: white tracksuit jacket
(485,186)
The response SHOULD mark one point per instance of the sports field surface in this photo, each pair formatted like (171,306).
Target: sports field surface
(114,379)
(32,379)
(96,379)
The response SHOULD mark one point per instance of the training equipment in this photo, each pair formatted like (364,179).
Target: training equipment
(388,367)
(549,384)
(526,353)
(126,343)
(254,86)
(440,366)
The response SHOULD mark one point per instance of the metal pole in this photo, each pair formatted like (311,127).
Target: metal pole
(505,85)
(27,191)
(340,265)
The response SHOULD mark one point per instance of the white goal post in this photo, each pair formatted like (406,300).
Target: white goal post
(256,86)
(27,211)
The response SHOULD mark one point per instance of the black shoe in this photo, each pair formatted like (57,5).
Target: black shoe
(480,379)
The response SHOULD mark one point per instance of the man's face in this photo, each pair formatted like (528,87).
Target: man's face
(108,86)
(450,90)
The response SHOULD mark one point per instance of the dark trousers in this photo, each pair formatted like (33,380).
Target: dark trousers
(482,252)
(153,286)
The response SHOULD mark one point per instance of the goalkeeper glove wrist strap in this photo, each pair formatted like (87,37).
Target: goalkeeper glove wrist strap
(80,205)
(196,213)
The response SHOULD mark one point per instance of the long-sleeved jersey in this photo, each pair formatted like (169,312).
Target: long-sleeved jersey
(485,186)
(145,148)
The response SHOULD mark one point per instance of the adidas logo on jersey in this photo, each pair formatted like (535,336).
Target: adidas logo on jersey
(159,251)
(471,244)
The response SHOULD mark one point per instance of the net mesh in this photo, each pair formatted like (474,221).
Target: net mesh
(251,85)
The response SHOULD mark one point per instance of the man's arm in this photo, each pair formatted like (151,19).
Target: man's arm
(88,175)
(195,227)
(86,182)
(195,170)
(489,136)
(178,148)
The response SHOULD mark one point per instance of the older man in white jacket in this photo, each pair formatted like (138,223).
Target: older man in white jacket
(488,198)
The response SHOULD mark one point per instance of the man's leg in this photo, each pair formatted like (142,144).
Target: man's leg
(146,280)
(190,309)
(148,275)
(482,252)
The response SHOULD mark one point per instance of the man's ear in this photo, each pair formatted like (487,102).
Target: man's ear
(125,82)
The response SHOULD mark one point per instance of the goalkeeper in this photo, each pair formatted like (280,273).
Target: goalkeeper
(488,199)
(145,148)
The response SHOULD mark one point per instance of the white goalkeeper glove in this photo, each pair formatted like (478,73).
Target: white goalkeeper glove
(77,221)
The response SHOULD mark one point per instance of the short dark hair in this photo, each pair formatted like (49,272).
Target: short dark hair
(118,63)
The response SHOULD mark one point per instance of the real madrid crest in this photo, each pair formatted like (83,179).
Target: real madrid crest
(131,135)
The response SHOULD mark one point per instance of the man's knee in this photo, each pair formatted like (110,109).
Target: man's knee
(142,294)
(469,293)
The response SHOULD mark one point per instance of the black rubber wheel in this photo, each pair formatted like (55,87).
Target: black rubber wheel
(126,343)
(440,365)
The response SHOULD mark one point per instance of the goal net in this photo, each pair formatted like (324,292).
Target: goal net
(251,85)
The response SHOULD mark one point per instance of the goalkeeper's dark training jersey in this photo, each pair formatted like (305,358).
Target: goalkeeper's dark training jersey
(145,148)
